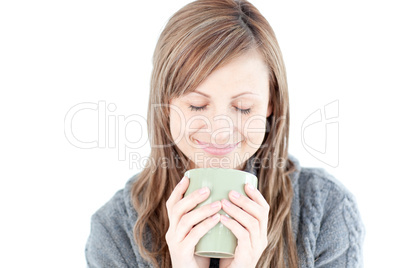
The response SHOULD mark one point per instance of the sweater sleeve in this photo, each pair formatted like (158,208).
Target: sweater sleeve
(339,243)
(102,247)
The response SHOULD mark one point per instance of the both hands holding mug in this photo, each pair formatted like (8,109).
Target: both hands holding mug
(248,223)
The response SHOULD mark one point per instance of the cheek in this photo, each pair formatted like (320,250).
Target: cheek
(195,123)
(254,131)
(182,124)
(176,125)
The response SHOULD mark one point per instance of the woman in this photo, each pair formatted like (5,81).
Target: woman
(219,98)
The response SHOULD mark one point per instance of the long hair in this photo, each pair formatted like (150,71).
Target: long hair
(200,37)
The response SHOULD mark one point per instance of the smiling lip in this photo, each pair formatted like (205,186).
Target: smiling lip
(217,149)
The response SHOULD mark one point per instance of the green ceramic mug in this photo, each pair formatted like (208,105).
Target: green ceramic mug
(219,242)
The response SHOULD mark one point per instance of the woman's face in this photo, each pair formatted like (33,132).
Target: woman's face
(223,122)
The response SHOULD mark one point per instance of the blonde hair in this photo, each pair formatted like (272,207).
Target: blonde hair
(197,39)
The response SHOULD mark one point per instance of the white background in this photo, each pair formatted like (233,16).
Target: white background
(57,54)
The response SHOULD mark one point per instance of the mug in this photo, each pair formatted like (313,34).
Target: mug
(219,242)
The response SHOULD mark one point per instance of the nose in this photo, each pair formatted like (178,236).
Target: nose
(222,130)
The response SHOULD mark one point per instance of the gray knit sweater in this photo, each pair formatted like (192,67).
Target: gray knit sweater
(325,219)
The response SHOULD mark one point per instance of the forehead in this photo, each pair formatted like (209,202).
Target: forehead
(246,73)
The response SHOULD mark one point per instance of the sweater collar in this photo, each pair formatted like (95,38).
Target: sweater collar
(293,176)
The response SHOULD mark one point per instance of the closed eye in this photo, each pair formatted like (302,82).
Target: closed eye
(244,111)
(196,108)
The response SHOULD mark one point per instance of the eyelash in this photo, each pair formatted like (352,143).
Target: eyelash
(195,108)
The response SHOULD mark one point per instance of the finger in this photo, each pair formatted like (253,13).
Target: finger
(200,230)
(174,198)
(194,217)
(187,204)
(251,207)
(256,195)
(191,201)
(249,222)
(178,192)
(242,235)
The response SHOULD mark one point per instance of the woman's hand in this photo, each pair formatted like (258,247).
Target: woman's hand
(186,227)
(249,225)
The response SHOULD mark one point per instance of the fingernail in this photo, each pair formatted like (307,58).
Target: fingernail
(235,194)
(250,187)
(182,180)
(216,216)
(224,218)
(226,203)
(215,204)
(203,190)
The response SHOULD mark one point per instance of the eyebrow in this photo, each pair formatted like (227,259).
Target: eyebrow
(234,97)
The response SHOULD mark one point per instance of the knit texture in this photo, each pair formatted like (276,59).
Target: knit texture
(325,219)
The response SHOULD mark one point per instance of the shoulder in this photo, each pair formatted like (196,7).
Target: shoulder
(330,226)
(111,242)
(317,183)
(112,209)
(119,208)
(320,194)
(108,244)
